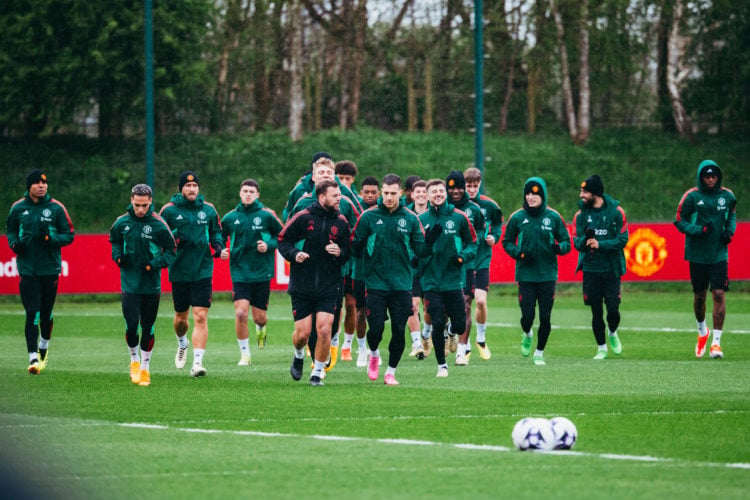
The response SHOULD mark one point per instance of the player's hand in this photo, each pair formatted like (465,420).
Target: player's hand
(18,247)
(333,249)
(122,261)
(556,248)
(218,247)
(262,246)
(725,238)
(707,229)
(301,257)
(433,233)
(457,261)
(225,254)
(490,240)
(414,262)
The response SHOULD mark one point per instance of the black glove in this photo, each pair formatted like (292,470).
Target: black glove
(457,261)
(526,257)
(590,233)
(556,248)
(218,247)
(707,229)
(725,238)
(18,247)
(433,233)
(182,243)
(415,262)
(122,260)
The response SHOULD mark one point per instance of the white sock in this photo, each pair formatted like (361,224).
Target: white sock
(415,337)
(530,333)
(427,331)
(375,353)
(361,342)
(390,371)
(702,329)
(539,353)
(43,343)
(33,356)
(603,347)
(299,353)
(717,337)
(318,369)
(612,334)
(335,340)
(244,346)
(145,359)
(182,341)
(198,356)
(461,351)
(481,331)
(133,353)
(348,339)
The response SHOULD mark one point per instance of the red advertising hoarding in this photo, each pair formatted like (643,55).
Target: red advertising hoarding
(654,253)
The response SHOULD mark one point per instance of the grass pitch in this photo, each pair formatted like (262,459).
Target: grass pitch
(654,422)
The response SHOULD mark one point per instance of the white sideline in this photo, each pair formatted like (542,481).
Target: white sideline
(462,446)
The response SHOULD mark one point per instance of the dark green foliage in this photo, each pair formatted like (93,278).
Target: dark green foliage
(646,171)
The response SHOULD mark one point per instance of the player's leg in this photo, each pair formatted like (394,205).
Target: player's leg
(241,317)
(31,295)
(46,321)
(546,299)
(376,303)
(481,288)
(200,299)
(259,296)
(148,312)
(303,320)
(181,324)
(464,347)
(612,299)
(455,308)
(719,285)
(527,302)
(699,278)
(399,308)
(131,311)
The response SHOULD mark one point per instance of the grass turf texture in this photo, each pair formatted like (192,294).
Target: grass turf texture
(654,422)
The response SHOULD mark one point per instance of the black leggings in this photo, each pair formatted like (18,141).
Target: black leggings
(140,308)
(38,294)
(529,294)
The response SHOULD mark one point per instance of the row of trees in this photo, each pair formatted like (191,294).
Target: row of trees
(231,66)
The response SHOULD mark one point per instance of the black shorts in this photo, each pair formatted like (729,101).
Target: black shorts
(600,286)
(359,293)
(348,285)
(717,274)
(469,283)
(482,279)
(255,293)
(306,305)
(191,293)
(416,287)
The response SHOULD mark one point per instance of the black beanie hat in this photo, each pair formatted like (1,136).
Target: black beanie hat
(188,176)
(317,156)
(35,176)
(533,187)
(593,185)
(455,180)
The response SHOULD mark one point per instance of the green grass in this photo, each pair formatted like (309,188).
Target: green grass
(646,170)
(82,430)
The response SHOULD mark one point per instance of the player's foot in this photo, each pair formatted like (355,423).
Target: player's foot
(484,351)
(615,344)
(716,352)
(260,336)
(427,346)
(700,347)
(362,358)
(244,360)
(197,370)
(145,378)
(538,360)
(43,358)
(452,343)
(442,372)
(332,358)
(180,357)
(373,367)
(346,354)
(525,345)
(135,371)
(390,380)
(461,360)
(34,368)
(417,350)
(601,355)
(296,369)
(315,380)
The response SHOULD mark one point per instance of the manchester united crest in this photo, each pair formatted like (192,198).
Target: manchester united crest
(645,252)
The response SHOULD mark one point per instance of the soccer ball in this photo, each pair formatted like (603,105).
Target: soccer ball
(565,433)
(533,434)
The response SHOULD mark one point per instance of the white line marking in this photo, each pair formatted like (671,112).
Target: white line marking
(462,446)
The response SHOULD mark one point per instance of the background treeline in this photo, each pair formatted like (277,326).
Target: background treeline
(646,171)
(237,66)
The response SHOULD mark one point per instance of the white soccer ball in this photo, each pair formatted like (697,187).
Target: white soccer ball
(565,432)
(533,434)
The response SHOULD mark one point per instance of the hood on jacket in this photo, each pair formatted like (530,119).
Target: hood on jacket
(540,181)
(181,201)
(704,165)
